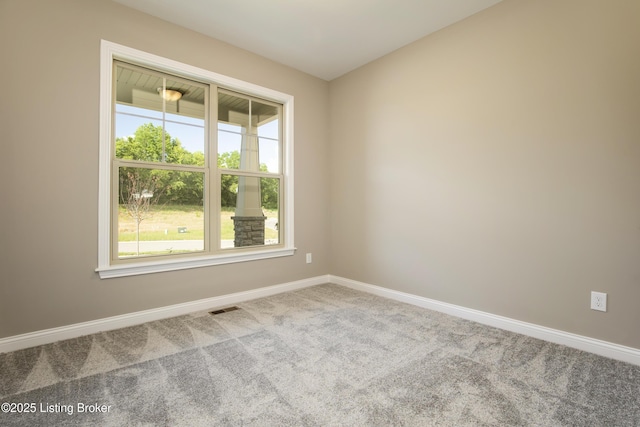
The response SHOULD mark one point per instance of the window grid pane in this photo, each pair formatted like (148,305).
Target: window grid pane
(245,222)
(159,118)
(160,212)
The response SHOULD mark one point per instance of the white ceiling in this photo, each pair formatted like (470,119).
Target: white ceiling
(325,38)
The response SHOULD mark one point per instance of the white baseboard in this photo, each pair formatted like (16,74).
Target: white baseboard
(602,348)
(47,336)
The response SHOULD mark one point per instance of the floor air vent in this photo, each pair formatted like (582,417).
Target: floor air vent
(223,310)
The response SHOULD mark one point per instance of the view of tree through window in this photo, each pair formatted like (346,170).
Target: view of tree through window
(164,205)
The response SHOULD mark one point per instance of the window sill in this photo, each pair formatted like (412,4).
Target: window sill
(134,269)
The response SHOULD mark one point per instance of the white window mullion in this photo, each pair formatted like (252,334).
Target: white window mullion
(212,231)
(164,122)
(115,206)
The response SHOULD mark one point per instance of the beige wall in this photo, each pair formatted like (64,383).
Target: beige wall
(49,126)
(496,165)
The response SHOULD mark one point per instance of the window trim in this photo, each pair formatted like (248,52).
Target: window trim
(109,52)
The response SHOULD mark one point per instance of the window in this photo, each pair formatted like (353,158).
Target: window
(195,167)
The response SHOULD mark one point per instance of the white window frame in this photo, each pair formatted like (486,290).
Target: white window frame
(106,267)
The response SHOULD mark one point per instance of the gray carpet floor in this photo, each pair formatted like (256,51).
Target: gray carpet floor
(321,356)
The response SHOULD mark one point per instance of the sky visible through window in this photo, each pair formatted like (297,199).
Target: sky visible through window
(190,131)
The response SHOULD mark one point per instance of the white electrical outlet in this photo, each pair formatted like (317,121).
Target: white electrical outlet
(309,258)
(599,301)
